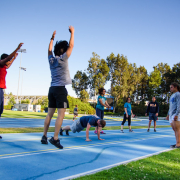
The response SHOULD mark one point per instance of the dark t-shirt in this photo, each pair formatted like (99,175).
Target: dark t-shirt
(92,120)
(75,110)
(153,107)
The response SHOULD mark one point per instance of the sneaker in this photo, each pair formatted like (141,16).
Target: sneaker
(148,130)
(56,143)
(154,130)
(122,131)
(0,137)
(44,140)
(67,132)
(95,132)
(61,132)
(131,130)
(102,132)
(173,146)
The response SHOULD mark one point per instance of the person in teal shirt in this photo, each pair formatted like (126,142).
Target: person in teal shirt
(127,114)
(101,103)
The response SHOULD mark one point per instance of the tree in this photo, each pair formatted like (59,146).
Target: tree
(26,101)
(84,96)
(122,76)
(98,72)
(154,82)
(142,85)
(80,82)
(11,101)
(42,101)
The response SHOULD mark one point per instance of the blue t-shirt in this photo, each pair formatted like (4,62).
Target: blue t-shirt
(59,70)
(92,120)
(128,106)
(99,106)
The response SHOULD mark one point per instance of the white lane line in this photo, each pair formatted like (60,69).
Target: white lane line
(76,147)
(111,166)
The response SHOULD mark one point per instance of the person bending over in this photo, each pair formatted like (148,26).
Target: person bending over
(57,95)
(85,122)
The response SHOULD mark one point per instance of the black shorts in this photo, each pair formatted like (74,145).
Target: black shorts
(76,114)
(57,97)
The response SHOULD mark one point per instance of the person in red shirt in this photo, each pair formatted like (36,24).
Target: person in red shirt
(5,62)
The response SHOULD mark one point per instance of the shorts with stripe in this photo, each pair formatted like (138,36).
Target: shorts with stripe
(57,97)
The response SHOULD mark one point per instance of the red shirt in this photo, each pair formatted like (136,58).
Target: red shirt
(3,73)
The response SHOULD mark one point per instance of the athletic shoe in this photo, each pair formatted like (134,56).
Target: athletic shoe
(0,137)
(122,131)
(56,143)
(95,132)
(154,130)
(131,130)
(102,132)
(44,140)
(173,146)
(67,132)
(61,132)
(148,130)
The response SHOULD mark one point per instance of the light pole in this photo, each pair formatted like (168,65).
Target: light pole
(22,51)
(24,69)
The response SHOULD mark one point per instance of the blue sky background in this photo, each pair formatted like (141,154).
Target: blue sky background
(146,31)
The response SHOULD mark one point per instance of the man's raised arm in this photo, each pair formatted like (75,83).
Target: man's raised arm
(51,44)
(71,42)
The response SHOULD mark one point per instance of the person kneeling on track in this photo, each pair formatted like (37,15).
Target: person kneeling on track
(85,122)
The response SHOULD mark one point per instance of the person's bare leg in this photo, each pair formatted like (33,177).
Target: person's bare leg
(149,125)
(66,128)
(154,124)
(122,127)
(48,120)
(177,132)
(59,120)
(129,127)
(173,127)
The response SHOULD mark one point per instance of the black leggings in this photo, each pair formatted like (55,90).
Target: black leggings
(124,120)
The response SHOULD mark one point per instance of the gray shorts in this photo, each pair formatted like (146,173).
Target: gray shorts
(76,126)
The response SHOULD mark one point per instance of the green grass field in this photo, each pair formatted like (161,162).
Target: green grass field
(51,129)
(165,166)
(26,114)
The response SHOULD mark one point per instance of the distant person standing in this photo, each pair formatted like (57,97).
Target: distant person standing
(153,109)
(174,112)
(127,114)
(5,62)
(60,75)
(101,103)
(75,112)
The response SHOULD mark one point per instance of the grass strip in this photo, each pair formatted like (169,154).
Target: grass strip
(51,129)
(34,115)
(164,166)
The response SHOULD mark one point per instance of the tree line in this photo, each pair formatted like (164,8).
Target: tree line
(127,80)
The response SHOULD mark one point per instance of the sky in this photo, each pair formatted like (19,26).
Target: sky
(146,31)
